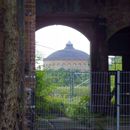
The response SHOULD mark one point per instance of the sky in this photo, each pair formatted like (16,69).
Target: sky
(52,38)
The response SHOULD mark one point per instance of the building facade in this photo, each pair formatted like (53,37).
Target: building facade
(68,58)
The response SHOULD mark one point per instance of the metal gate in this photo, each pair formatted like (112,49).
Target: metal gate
(83,101)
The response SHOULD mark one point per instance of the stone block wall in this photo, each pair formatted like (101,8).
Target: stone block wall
(1,57)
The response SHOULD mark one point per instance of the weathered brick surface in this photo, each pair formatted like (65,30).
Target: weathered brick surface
(1,57)
(116,12)
(8,66)
(30,35)
(29,62)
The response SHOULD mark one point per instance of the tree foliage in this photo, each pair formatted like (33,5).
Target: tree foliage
(44,100)
(44,85)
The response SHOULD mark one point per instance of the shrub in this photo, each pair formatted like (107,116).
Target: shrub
(79,110)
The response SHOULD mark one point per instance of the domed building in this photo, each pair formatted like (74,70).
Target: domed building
(69,59)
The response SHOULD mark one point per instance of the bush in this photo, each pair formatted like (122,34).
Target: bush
(79,110)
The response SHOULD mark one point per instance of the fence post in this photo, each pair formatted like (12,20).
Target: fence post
(118,100)
(71,85)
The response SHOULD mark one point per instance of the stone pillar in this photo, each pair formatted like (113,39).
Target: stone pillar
(1,53)
(99,49)
(99,64)
(9,107)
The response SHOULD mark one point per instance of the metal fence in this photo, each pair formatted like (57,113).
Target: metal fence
(83,101)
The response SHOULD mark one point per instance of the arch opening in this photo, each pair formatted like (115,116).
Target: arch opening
(65,77)
(55,38)
(118,45)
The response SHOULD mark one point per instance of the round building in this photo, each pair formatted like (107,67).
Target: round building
(69,59)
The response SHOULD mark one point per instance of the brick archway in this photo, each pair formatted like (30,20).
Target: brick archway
(102,16)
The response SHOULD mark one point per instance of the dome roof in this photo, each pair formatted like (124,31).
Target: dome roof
(68,53)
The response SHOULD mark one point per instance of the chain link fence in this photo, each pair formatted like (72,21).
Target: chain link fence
(82,101)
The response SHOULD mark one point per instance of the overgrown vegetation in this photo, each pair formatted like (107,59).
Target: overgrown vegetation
(56,97)
(60,98)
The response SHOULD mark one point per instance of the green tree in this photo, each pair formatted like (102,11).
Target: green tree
(39,60)
(45,100)
(44,85)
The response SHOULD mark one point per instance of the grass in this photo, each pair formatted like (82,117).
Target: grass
(66,91)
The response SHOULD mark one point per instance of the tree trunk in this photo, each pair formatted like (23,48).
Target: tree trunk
(9,111)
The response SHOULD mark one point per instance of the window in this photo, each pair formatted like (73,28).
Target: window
(115,63)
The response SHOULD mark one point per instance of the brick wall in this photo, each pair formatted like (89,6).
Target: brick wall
(29,84)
